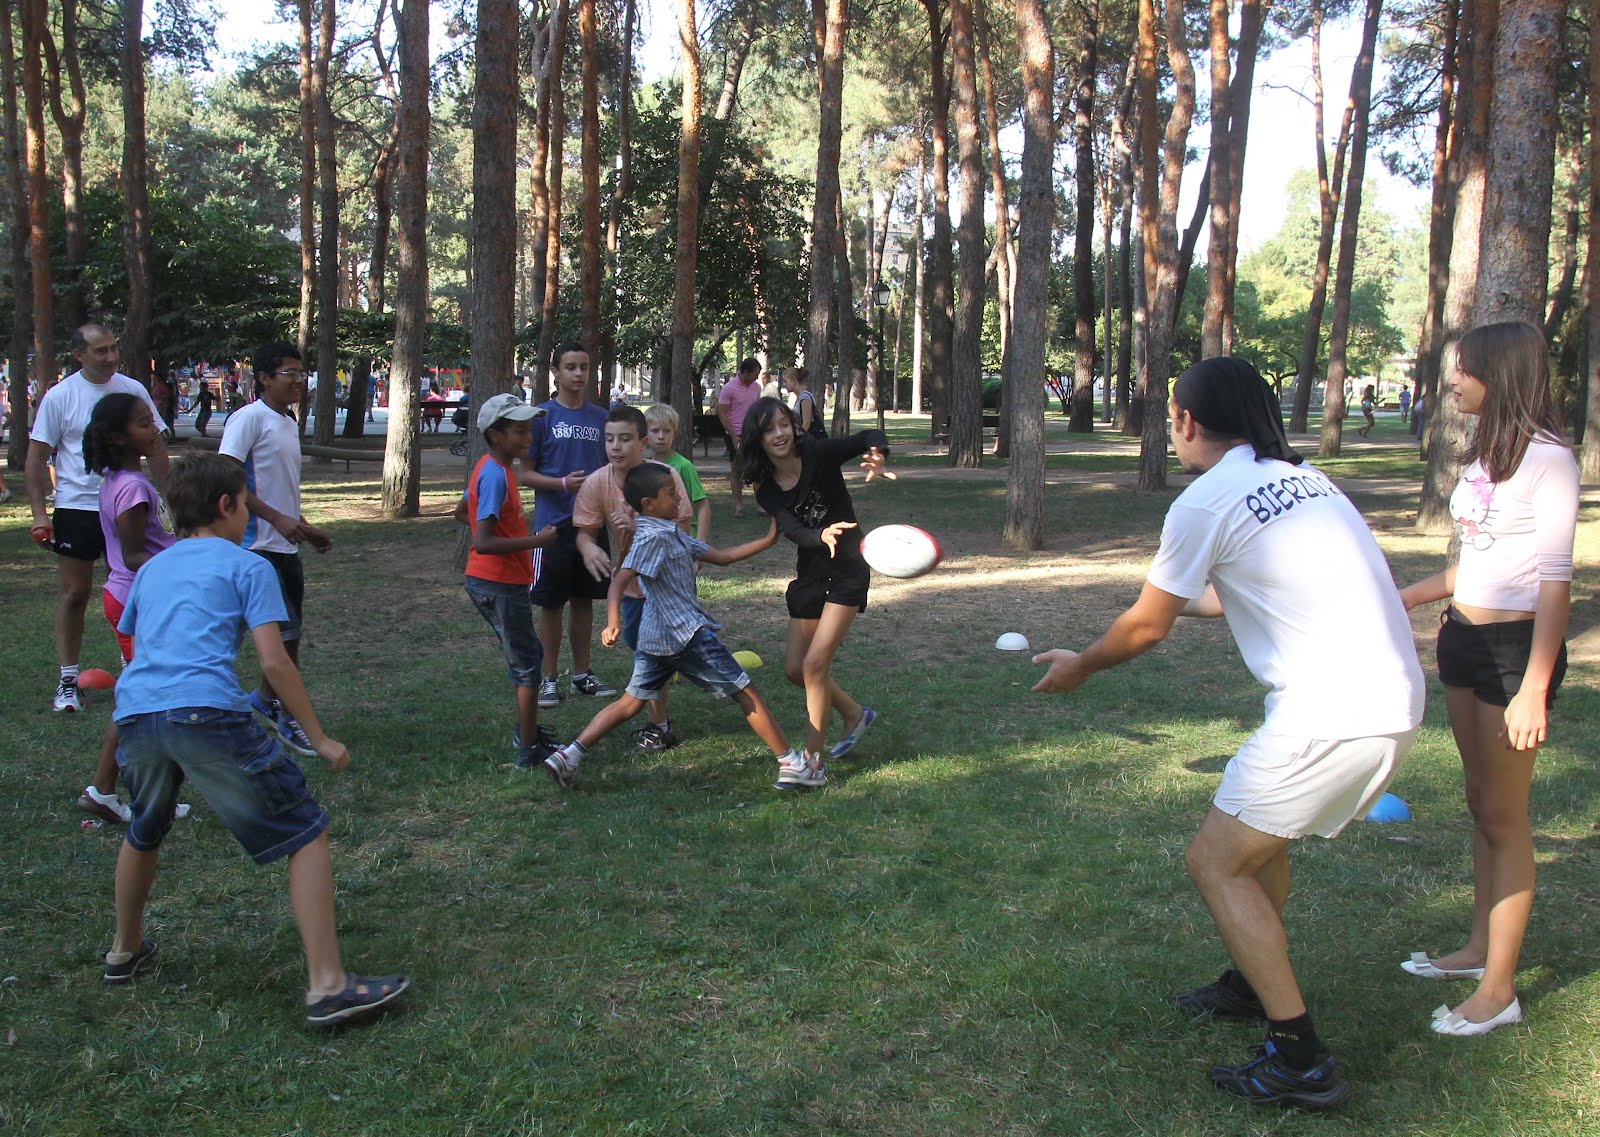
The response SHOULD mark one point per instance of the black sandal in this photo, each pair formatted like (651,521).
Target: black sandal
(362,995)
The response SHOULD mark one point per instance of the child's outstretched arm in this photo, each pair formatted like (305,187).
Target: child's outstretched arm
(619,585)
(285,679)
(748,549)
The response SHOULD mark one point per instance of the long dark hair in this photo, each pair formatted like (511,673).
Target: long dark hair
(752,461)
(1512,361)
(105,439)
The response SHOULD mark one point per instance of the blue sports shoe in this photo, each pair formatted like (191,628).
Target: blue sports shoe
(282,725)
(848,742)
(1268,1080)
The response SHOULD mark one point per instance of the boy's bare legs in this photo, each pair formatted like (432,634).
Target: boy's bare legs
(105,769)
(580,631)
(761,721)
(808,658)
(549,629)
(311,897)
(136,872)
(611,716)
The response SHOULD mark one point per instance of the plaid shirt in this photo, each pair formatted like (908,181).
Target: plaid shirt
(663,555)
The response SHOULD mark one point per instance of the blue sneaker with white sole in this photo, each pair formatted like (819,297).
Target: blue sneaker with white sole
(848,742)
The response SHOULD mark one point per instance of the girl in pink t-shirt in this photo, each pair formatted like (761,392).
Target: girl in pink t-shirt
(133,520)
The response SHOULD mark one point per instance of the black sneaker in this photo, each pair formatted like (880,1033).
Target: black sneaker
(652,739)
(1220,1000)
(544,734)
(1265,1079)
(128,968)
(532,757)
(588,683)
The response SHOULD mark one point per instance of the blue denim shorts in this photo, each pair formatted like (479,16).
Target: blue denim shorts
(704,661)
(250,781)
(507,609)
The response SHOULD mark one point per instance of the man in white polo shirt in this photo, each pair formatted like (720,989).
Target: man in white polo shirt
(73,531)
(264,437)
(1274,547)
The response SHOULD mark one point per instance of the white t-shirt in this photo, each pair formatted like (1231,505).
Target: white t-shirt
(1518,533)
(63,417)
(1306,593)
(268,443)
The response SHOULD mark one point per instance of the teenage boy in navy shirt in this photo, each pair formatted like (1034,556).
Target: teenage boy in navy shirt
(568,444)
(183,717)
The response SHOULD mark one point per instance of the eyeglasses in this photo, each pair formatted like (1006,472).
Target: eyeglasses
(297,373)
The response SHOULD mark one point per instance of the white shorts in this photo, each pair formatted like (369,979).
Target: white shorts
(1294,787)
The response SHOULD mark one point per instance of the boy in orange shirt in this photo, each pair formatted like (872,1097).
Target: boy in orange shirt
(500,564)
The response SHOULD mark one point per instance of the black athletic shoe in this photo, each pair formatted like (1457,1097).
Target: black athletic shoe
(1220,1000)
(1265,1079)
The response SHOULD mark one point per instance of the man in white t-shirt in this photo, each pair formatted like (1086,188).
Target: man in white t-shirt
(1276,549)
(264,437)
(73,530)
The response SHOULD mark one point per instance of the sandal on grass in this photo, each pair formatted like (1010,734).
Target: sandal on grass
(362,995)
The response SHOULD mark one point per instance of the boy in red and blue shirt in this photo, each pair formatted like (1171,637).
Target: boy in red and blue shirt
(500,564)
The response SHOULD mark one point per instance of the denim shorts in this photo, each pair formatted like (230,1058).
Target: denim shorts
(250,781)
(704,661)
(291,572)
(507,609)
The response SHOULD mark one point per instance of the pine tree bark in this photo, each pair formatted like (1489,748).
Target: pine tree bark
(940,260)
(1158,202)
(683,297)
(1441,214)
(919,303)
(1003,256)
(1221,168)
(17,247)
(135,201)
(552,225)
(308,189)
(1589,456)
(44,347)
(1445,426)
(69,118)
(1081,419)
(548,76)
(1252,17)
(589,264)
(494,201)
(1333,402)
(624,134)
(328,235)
(1024,524)
(966,364)
(834,26)
(402,459)
(1566,287)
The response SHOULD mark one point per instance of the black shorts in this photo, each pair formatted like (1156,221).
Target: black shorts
(291,572)
(558,572)
(807,594)
(78,534)
(1490,658)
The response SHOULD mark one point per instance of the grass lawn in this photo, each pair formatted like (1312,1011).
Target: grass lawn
(969,932)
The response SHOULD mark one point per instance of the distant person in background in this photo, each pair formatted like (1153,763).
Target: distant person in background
(803,402)
(1405,404)
(1418,411)
(734,401)
(205,401)
(770,387)
(1368,400)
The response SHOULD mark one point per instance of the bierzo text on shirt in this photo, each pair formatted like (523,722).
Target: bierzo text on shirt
(1277,497)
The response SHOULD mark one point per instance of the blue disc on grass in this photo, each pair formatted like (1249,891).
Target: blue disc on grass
(1390,808)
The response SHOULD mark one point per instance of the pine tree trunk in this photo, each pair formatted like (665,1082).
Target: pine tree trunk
(69,119)
(1221,168)
(1566,288)
(1024,524)
(1441,214)
(833,25)
(308,190)
(1081,420)
(328,236)
(1445,426)
(919,303)
(941,257)
(402,458)
(966,364)
(589,268)
(624,134)
(683,369)
(1589,456)
(1004,276)
(1252,15)
(135,201)
(44,344)
(17,247)
(557,100)
(1333,403)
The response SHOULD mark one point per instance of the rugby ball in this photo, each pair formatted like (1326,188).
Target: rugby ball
(748,660)
(902,551)
(94,679)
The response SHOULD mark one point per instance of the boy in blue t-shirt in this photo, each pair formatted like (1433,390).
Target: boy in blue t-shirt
(567,445)
(183,717)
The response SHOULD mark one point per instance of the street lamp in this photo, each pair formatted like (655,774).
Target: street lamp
(880,300)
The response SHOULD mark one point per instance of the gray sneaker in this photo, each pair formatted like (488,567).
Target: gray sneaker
(798,771)
(652,739)
(549,692)
(561,766)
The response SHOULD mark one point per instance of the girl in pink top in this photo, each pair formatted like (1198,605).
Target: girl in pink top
(133,520)
(1501,649)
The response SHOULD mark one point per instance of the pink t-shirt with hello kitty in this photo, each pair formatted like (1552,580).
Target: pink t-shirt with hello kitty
(1517,533)
(121,491)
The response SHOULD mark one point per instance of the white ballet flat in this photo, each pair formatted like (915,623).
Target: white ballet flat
(1452,1023)
(1422,965)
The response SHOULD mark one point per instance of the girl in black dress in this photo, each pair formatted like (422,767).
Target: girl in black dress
(799,484)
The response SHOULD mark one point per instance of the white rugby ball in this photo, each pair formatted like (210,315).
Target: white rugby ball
(901,550)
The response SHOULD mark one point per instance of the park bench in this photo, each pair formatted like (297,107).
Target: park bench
(990,426)
(707,429)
